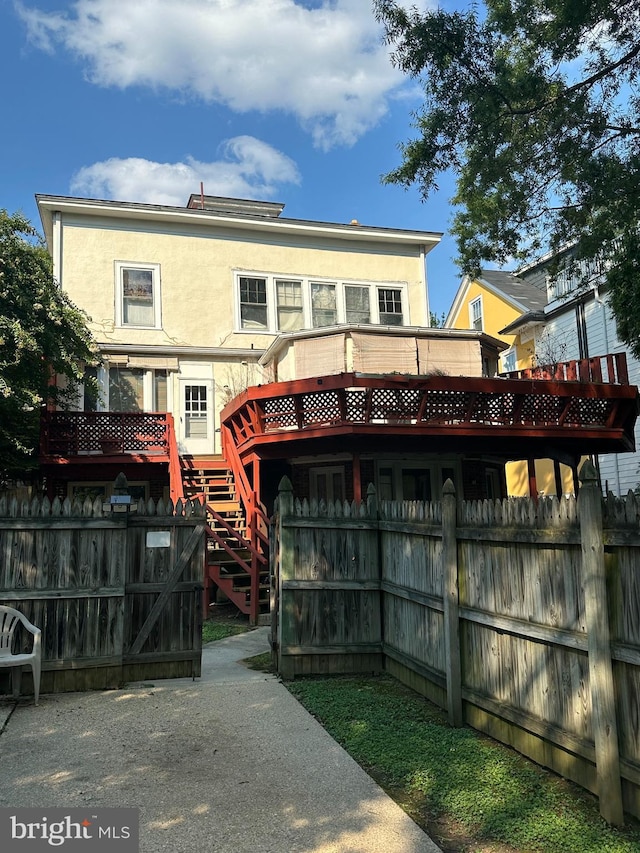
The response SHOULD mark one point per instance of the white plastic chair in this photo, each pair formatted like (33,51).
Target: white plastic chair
(9,619)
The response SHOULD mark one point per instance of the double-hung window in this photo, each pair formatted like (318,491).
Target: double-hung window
(290,307)
(138,295)
(253,303)
(509,361)
(324,311)
(357,304)
(475,314)
(390,306)
(273,303)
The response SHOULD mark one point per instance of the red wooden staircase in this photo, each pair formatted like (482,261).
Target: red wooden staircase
(237,540)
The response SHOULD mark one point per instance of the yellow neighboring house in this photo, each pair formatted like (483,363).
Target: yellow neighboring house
(491,303)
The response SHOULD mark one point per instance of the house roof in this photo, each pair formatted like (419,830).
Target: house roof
(517,290)
(522,295)
(239,218)
(399,331)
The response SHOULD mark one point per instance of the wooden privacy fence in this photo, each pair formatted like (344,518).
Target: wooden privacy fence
(117,595)
(521,619)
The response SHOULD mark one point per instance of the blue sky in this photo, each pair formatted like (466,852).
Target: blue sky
(284,100)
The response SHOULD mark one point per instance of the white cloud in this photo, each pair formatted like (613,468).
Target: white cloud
(322,62)
(248,168)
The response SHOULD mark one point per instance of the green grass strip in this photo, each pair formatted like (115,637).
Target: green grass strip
(457,775)
(217,631)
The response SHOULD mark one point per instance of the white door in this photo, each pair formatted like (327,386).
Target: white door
(196,434)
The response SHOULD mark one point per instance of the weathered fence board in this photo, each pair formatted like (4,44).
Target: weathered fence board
(506,637)
(90,581)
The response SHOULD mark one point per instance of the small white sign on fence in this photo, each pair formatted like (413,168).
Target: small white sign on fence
(158,539)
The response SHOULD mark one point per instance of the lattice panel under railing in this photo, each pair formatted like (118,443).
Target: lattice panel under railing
(322,407)
(491,409)
(143,433)
(542,410)
(396,404)
(279,413)
(356,404)
(82,433)
(594,412)
(447,407)
(488,404)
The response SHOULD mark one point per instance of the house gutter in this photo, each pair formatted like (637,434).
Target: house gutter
(399,331)
(56,248)
(164,350)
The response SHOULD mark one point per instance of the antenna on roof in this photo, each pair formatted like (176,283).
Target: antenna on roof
(202,194)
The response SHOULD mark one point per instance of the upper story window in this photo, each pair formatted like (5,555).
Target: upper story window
(290,308)
(253,303)
(390,305)
(279,304)
(475,314)
(324,308)
(356,303)
(138,295)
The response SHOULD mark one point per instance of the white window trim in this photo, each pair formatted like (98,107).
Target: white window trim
(306,282)
(157,302)
(476,301)
(503,358)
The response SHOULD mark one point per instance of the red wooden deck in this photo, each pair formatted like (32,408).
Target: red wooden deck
(507,415)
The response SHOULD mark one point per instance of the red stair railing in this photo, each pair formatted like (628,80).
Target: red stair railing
(256,516)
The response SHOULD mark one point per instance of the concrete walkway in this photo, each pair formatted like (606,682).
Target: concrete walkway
(230,763)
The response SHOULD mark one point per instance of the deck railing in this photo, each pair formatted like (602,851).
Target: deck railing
(431,404)
(68,434)
(610,369)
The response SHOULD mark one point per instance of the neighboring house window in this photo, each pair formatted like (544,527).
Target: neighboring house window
(279,304)
(253,303)
(475,314)
(390,306)
(509,361)
(138,288)
(289,302)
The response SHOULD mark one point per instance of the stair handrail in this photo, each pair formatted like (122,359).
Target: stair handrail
(233,533)
(176,487)
(256,516)
(254,509)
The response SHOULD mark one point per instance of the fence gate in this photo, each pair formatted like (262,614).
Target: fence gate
(118,598)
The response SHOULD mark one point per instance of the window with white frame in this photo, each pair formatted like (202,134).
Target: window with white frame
(281,304)
(475,314)
(324,308)
(289,305)
(390,306)
(253,303)
(356,304)
(135,389)
(138,295)
(126,389)
(508,361)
